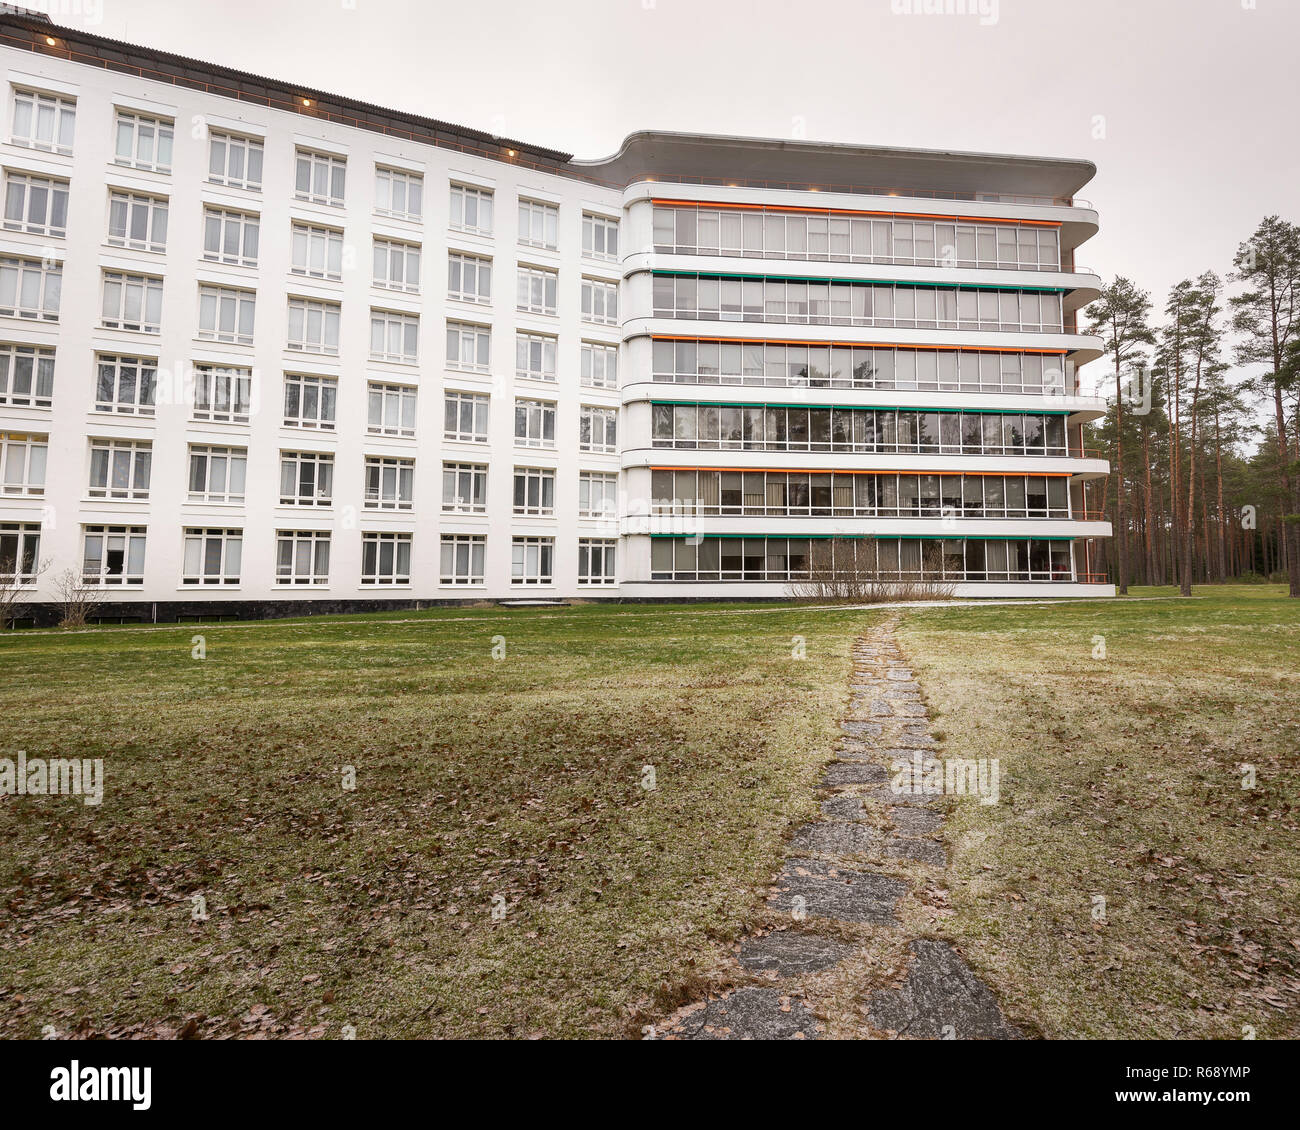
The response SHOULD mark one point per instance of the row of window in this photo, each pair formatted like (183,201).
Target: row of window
(777,427)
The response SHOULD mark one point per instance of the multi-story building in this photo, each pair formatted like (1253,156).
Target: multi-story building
(260,343)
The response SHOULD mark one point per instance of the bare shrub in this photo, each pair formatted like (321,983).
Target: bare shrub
(845,570)
(75,598)
(12,588)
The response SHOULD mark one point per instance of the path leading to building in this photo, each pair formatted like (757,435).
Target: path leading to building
(830,907)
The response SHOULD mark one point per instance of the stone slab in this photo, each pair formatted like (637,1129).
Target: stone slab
(834,837)
(791,953)
(838,892)
(939,993)
(751,1014)
(853,773)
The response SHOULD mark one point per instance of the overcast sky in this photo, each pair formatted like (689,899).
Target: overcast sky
(1188,108)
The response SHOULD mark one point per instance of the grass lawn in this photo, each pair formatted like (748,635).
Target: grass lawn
(372,907)
(1122,780)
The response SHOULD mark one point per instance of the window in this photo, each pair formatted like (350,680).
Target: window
(465,417)
(389,483)
(217,474)
(22,463)
(391,410)
(397,265)
(394,337)
(471,209)
(113,555)
(464,488)
(535,356)
(599,301)
(534,423)
(20,547)
(399,194)
(596,557)
(599,365)
(534,491)
(598,429)
(310,402)
(536,290)
(125,384)
(120,468)
(230,237)
(319,178)
(302,557)
(137,221)
(132,302)
(30,289)
(539,224)
(462,559)
(469,278)
(468,347)
(143,142)
(38,205)
(212,557)
(26,376)
(599,237)
(222,395)
(306,478)
(597,494)
(316,252)
(226,314)
(313,326)
(43,121)
(234,161)
(385,559)
(531,561)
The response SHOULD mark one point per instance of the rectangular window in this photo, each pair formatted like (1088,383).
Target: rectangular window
(394,337)
(389,482)
(222,395)
(20,547)
(597,495)
(310,402)
(390,409)
(212,557)
(313,326)
(302,557)
(125,384)
(469,278)
(137,221)
(465,417)
(217,474)
(535,356)
(319,177)
(599,237)
(464,488)
(26,376)
(132,302)
(468,347)
(29,288)
(598,429)
(397,265)
(37,205)
(471,209)
(399,194)
(230,237)
(22,463)
(234,161)
(113,555)
(120,468)
(534,423)
(43,121)
(531,561)
(316,252)
(536,290)
(306,478)
(535,491)
(462,559)
(596,561)
(599,301)
(385,559)
(226,314)
(143,142)
(539,224)
(599,365)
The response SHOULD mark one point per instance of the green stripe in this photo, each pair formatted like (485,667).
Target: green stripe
(856,281)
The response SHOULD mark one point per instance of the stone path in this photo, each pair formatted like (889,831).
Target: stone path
(829,887)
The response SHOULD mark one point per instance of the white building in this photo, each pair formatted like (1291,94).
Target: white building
(262,344)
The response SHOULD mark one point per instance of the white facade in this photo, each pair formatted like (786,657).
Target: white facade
(556,285)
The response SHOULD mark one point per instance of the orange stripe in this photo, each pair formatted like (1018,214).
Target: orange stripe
(849,212)
(858,344)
